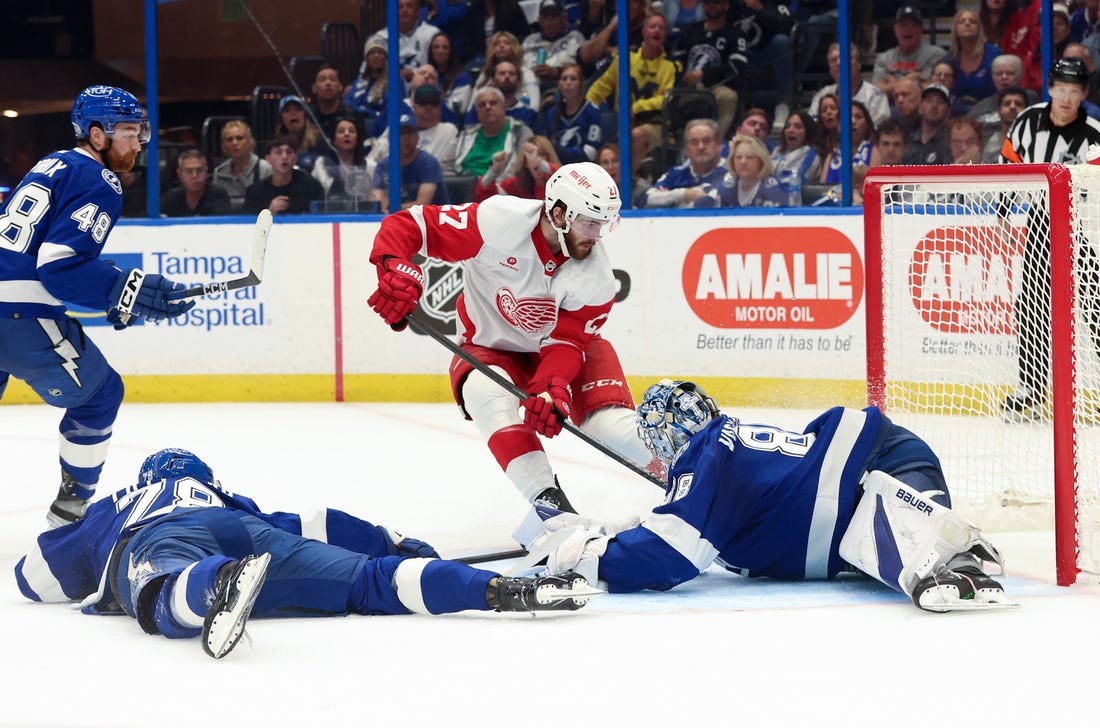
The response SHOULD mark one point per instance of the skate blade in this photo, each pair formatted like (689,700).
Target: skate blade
(579,594)
(970,605)
(227,626)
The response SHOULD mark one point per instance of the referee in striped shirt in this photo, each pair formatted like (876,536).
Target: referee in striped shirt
(1058,132)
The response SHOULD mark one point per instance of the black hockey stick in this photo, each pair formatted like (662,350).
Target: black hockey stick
(492,556)
(509,385)
(256,266)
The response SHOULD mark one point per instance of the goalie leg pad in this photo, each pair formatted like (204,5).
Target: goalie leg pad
(899,535)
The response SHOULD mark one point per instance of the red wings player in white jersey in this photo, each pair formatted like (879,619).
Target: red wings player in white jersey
(538,286)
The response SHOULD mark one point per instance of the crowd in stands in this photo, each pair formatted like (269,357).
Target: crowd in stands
(488,97)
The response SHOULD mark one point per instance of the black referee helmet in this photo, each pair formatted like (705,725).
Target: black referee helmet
(1069,70)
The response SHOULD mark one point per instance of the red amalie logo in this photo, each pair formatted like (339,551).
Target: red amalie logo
(961,279)
(768,278)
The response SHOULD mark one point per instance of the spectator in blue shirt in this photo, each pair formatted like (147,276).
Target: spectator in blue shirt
(421,174)
(685,183)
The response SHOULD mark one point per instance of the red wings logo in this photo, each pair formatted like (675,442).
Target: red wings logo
(530,315)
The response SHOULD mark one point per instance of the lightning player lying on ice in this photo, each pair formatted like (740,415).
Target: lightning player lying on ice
(537,288)
(852,489)
(184,556)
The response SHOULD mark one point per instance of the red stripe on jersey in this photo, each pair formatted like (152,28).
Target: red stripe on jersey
(511,442)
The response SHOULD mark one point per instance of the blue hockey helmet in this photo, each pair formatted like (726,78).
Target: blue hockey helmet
(107,106)
(174,462)
(670,414)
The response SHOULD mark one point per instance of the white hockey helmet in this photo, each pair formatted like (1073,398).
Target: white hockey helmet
(583,188)
(670,414)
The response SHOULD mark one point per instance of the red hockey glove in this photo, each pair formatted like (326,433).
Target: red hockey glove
(547,409)
(400,284)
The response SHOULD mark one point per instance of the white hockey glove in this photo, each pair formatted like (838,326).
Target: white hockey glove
(579,543)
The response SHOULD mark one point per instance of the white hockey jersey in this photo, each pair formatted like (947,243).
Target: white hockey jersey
(518,295)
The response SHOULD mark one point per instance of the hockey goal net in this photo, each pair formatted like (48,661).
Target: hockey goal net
(945,249)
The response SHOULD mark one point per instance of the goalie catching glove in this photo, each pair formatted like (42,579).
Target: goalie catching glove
(400,283)
(548,407)
(145,295)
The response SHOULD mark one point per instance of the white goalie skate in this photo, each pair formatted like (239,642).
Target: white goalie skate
(965,588)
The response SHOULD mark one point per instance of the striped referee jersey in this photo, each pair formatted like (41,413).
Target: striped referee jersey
(1034,139)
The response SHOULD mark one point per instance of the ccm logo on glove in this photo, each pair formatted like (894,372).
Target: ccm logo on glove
(130,288)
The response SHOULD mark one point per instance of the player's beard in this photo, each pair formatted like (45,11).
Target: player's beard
(115,162)
(579,248)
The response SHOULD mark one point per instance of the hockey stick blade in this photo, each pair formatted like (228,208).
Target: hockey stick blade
(256,269)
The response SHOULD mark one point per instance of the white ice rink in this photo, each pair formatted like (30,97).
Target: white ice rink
(718,651)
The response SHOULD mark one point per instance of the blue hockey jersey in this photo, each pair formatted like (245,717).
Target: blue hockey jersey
(71,563)
(759,500)
(52,230)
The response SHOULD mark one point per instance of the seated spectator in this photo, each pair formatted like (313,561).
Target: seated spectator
(906,98)
(241,167)
(426,75)
(328,102)
(971,56)
(1008,72)
(891,142)
(872,98)
(652,76)
(993,15)
(572,123)
(494,131)
(682,13)
(943,73)
(534,164)
(344,174)
(288,190)
(488,17)
(307,138)
(421,175)
(1085,25)
(506,78)
(505,47)
(437,137)
(601,27)
(928,144)
(757,123)
(702,169)
(715,60)
(1023,37)
(194,196)
(1091,104)
(1013,101)
(369,93)
(863,134)
(767,25)
(913,56)
(450,17)
(414,37)
(552,47)
(455,82)
(749,182)
(964,137)
(607,156)
(796,155)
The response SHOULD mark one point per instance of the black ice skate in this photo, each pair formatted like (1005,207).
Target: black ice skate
(965,588)
(238,584)
(554,497)
(569,591)
(67,507)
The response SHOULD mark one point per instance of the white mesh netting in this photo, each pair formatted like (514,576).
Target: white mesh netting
(953,268)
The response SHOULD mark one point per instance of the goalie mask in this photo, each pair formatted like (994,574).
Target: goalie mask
(670,414)
(175,462)
(583,190)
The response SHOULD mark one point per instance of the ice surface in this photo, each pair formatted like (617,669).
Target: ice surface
(718,651)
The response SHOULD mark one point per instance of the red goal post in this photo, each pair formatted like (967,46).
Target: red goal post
(944,263)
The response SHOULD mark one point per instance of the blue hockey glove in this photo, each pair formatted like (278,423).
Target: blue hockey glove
(137,293)
(414,548)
